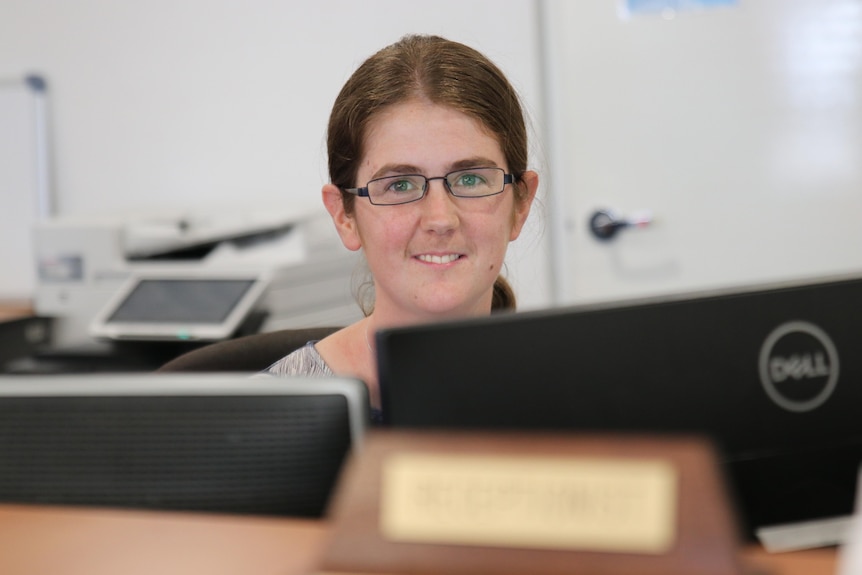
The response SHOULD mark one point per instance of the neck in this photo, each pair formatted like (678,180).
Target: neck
(385,317)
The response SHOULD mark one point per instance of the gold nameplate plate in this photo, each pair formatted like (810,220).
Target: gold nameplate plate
(543,503)
(574,503)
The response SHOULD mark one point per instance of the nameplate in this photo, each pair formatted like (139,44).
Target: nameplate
(598,504)
(509,503)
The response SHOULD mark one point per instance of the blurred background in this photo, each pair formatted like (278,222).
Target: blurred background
(711,143)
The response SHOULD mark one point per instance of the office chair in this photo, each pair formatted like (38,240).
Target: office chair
(249,353)
(226,443)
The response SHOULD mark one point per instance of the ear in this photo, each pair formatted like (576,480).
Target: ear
(345,224)
(522,209)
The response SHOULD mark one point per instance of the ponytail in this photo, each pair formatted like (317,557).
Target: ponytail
(504,297)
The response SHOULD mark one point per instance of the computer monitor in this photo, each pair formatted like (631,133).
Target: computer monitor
(772,375)
(228,443)
(178,304)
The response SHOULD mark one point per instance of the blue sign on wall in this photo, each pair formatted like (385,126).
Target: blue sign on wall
(653,6)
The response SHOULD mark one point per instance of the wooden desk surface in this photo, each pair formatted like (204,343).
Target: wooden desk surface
(46,540)
(14,309)
(69,541)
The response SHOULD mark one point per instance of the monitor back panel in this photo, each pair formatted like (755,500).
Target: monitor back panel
(774,377)
(190,443)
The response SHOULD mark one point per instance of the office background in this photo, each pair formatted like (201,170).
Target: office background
(735,128)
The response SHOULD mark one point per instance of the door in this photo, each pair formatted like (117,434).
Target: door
(738,128)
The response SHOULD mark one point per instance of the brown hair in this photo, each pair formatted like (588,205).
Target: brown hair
(443,72)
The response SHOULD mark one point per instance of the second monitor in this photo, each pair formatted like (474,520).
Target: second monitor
(771,375)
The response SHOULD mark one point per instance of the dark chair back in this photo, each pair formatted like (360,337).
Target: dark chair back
(246,354)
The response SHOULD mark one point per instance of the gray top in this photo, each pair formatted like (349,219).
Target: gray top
(303,361)
(306,361)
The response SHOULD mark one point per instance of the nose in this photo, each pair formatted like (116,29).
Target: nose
(439,212)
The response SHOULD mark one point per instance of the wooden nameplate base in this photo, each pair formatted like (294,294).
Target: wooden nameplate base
(459,503)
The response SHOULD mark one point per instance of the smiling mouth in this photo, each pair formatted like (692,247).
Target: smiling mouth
(448,258)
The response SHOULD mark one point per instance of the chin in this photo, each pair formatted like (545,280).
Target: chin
(441,310)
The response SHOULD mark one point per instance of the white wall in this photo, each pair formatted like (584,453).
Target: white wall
(738,127)
(173,104)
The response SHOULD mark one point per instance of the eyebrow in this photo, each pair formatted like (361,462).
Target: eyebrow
(474,162)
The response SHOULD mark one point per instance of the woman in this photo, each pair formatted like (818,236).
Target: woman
(428,166)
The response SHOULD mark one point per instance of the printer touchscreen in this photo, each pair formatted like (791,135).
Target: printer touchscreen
(180,301)
(160,304)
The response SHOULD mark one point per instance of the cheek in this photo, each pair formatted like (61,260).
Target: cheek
(497,238)
(381,231)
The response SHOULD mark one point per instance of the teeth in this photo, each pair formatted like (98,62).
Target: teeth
(439,259)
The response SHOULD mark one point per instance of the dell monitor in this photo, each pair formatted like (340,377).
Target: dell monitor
(773,375)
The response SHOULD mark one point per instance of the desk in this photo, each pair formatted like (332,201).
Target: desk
(69,541)
(14,309)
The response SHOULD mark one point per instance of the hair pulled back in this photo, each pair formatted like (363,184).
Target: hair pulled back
(442,72)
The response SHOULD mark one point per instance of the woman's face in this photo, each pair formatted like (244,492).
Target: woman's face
(439,256)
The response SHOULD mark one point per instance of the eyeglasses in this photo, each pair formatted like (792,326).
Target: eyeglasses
(406,188)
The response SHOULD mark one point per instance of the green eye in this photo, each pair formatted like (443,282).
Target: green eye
(396,189)
(469,180)
(401,186)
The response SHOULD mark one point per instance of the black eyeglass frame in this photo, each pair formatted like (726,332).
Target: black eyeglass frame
(363,191)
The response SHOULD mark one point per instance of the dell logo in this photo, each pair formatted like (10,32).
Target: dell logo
(798,366)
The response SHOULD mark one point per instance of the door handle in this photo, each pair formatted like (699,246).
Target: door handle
(605,224)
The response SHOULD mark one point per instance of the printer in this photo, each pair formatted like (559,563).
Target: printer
(140,276)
